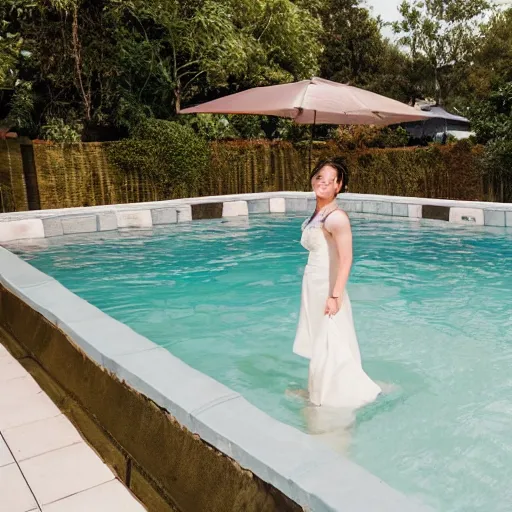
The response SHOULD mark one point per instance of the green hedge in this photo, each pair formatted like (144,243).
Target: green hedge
(169,154)
(453,171)
(170,161)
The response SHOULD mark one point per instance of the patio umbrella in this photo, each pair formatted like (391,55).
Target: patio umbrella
(314,101)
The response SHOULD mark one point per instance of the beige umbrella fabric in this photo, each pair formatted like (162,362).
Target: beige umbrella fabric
(315,101)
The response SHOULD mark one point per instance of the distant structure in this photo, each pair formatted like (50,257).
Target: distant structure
(439,127)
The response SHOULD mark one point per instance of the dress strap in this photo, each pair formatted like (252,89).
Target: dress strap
(329,213)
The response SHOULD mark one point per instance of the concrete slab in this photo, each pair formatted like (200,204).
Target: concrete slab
(415,211)
(351,206)
(106,221)
(184,213)
(16,271)
(164,216)
(52,226)
(15,495)
(494,218)
(161,376)
(61,473)
(297,205)
(340,485)
(21,229)
(102,337)
(10,369)
(6,457)
(40,437)
(57,303)
(400,210)
(79,224)
(134,219)
(377,207)
(17,389)
(3,351)
(277,205)
(272,450)
(235,209)
(109,497)
(258,206)
(474,216)
(27,410)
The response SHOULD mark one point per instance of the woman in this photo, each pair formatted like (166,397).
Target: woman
(325,332)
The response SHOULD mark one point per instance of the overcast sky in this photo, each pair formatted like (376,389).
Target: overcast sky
(388,10)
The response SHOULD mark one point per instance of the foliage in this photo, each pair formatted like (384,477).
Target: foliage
(248,127)
(112,63)
(288,130)
(57,130)
(166,152)
(211,126)
(22,106)
(492,122)
(362,137)
(441,36)
(492,62)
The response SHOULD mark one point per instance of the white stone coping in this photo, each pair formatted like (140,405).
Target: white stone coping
(48,223)
(297,464)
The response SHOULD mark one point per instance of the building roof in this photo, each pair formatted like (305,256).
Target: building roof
(437,112)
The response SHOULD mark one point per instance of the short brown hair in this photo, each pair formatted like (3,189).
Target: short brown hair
(337,163)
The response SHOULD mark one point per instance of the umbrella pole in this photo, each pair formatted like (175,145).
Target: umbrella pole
(311,138)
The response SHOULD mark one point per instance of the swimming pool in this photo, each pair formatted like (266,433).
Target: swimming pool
(432,307)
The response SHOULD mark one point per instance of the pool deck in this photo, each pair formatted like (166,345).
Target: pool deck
(45,465)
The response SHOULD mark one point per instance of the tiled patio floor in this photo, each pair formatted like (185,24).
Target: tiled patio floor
(45,465)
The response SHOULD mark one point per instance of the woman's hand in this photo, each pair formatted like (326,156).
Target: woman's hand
(332,306)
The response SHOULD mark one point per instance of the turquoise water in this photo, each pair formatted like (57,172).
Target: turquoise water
(432,306)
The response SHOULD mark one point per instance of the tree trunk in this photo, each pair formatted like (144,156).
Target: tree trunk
(177,96)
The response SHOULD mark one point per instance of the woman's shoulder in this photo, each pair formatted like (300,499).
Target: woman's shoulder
(337,215)
(337,219)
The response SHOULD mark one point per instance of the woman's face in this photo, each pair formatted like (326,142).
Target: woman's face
(325,183)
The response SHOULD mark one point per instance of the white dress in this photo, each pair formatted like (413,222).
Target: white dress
(336,377)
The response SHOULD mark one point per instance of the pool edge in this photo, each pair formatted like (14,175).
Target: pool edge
(48,223)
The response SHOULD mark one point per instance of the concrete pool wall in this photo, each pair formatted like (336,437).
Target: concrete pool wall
(49,223)
(199,445)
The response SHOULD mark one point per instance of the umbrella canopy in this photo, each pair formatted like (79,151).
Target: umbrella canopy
(315,101)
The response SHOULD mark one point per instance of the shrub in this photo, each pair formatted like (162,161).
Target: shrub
(166,152)
(57,130)
(363,137)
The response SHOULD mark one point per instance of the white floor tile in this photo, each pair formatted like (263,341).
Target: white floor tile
(41,437)
(3,351)
(15,389)
(109,497)
(26,410)
(5,454)
(61,473)
(15,496)
(10,368)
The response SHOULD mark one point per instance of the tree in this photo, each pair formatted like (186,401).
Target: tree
(352,42)
(106,64)
(442,37)
(492,62)
(355,51)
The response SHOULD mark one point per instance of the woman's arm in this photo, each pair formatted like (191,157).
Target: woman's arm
(338,225)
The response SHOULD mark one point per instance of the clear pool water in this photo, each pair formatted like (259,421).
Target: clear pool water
(433,310)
